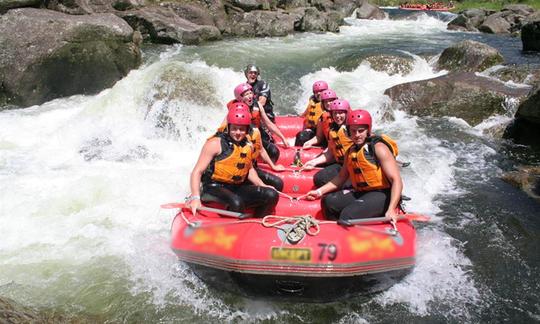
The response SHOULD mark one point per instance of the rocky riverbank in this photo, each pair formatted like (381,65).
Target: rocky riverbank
(82,47)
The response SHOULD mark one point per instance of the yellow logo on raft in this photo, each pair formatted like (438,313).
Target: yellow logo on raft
(214,237)
(371,244)
(291,254)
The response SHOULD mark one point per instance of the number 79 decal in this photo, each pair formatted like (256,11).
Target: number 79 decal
(328,251)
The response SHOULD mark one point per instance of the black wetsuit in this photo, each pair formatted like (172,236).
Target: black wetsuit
(236,197)
(261,88)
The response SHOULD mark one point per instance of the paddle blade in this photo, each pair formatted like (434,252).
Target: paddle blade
(417,217)
(173,206)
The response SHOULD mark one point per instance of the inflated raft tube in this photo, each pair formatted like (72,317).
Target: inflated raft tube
(279,257)
(292,155)
(296,181)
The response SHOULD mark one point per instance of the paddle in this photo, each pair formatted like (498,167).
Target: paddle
(411,217)
(209,209)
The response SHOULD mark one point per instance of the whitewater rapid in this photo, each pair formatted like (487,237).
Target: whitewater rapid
(82,179)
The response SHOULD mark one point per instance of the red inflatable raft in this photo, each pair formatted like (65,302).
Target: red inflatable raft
(294,253)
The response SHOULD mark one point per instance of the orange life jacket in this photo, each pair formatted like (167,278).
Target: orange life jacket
(253,135)
(364,169)
(338,141)
(312,114)
(326,120)
(232,165)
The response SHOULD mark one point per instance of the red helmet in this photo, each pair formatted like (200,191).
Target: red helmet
(359,117)
(240,89)
(239,114)
(339,105)
(328,94)
(319,86)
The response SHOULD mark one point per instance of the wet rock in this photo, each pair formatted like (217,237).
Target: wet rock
(517,74)
(177,83)
(250,5)
(475,16)
(311,19)
(530,36)
(369,11)
(162,25)
(47,54)
(14,313)
(526,178)
(503,22)
(461,23)
(346,7)
(469,56)
(5,5)
(192,12)
(103,149)
(292,4)
(525,128)
(84,7)
(462,94)
(391,64)
(260,23)
(519,9)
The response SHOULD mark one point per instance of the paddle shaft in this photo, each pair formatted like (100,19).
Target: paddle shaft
(209,209)
(411,217)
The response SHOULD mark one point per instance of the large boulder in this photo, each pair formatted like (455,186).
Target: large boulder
(192,12)
(462,94)
(5,5)
(520,9)
(250,5)
(47,54)
(461,23)
(526,178)
(83,7)
(260,23)
(311,19)
(469,56)
(496,24)
(161,24)
(525,128)
(292,4)
(475,16)
(530,36)
(369,11)
(517,74)
(391,64)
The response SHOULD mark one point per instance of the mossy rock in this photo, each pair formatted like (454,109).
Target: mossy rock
(469,56)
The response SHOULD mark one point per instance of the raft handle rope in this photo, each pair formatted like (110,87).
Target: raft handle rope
(291,197)
(301,226)
(290,237)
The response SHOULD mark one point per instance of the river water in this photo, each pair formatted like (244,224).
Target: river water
(82,179)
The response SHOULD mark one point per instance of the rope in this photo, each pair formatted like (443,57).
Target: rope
(301,225)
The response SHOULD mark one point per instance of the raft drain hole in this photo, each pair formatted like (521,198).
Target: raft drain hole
(290,287)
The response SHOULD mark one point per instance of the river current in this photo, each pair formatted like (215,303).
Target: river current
(82,178)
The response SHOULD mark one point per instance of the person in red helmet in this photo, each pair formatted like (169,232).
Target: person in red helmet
(321,134)
(338,144)
(224,171)
(254,136)
(312,114)
(371,166)
(244,93)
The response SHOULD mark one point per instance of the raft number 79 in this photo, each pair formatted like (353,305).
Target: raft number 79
(327,250)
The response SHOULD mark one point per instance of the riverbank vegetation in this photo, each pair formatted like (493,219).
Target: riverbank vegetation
(465,4)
